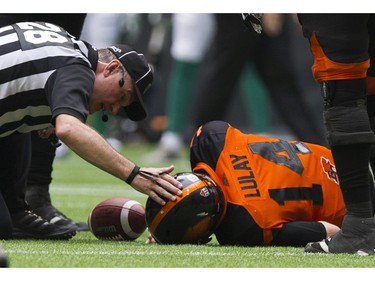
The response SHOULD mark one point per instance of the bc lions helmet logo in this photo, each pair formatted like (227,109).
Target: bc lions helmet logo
(329,169)
(204,192)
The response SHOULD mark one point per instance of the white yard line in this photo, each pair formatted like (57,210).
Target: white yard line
(146,253)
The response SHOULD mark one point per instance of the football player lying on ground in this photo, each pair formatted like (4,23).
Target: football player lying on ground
(275,192)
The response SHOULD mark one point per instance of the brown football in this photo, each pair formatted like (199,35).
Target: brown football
(117,219)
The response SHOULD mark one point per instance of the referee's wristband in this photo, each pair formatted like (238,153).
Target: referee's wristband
(132,175)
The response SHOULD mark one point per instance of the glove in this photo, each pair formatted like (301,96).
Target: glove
(253,21)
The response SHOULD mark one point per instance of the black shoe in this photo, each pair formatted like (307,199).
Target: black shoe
(38,199)
(3,258)
(28,225)
(52,215)
(357,236)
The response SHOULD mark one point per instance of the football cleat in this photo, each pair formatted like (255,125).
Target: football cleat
(318,247)
(39,200)
(52,215)
(28,225)
(357,236)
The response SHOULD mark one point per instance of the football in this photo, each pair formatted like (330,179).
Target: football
(117,219)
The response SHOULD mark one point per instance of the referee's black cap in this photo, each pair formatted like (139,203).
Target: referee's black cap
(141,73)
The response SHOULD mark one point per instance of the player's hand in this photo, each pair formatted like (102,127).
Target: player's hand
(158,184)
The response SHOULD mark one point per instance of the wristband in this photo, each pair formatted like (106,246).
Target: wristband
(132,175)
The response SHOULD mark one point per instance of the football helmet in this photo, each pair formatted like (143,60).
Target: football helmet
(192,217)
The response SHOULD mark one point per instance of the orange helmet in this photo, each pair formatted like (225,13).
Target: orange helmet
(192,217)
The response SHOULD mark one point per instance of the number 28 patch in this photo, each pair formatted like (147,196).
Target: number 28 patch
(32,35)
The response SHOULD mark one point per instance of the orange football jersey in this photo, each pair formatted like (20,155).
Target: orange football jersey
(277,181)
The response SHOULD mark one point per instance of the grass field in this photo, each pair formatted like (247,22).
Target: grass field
(78,187)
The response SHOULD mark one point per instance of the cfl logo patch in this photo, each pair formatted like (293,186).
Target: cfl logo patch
(330,170)
(204,192)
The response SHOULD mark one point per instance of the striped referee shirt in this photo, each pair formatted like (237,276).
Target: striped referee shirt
(44,72)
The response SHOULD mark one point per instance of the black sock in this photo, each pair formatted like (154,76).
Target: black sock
(352,167)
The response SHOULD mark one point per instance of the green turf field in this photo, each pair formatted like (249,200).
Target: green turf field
(78,187)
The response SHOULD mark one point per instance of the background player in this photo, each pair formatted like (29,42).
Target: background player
(343,46)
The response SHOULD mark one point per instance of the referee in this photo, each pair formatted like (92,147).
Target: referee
(39,178)
(50,83)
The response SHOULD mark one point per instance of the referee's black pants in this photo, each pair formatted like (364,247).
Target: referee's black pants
(26,159)
(15,151)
